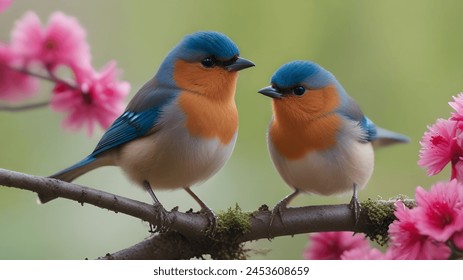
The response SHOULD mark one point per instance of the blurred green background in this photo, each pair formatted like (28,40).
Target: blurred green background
(401,60)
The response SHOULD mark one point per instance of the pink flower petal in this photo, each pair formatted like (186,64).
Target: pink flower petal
(457,105)
(439,213)
(458,240)
(331,245)
(14,86)
(65,42)
(364,254)
(439,146)
(4,4)
(98,98)
(62,41)
(407,243)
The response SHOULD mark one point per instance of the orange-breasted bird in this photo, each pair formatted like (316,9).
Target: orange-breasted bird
(181,126)
(319,139)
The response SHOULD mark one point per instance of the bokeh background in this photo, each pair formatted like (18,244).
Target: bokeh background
(401,60)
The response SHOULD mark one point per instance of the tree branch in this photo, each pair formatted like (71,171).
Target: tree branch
(168,246)
(187,236)
(10,108)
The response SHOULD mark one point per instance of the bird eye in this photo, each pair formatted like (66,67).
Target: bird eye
(208,62)
(300,90)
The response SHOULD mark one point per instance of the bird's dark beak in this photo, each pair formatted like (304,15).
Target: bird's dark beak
(240,64)
(270,92)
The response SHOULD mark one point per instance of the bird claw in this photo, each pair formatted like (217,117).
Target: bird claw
(277,211)
(164,217)
(211,218)
(355,205)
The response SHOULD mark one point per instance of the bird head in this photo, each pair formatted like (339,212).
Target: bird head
(303,90)
(206,63)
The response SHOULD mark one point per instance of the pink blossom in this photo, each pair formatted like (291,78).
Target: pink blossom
(458,240)
(14,86)
(331,245)
(4,4)
(364,254)
(98,98)
(457,105)
(439,213)
(62,41)
(407,243)
(440,145)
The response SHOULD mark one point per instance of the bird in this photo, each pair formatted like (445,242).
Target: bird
(318,138)
(181,126)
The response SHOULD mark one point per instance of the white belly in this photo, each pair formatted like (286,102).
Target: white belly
(171,158)
(328,172)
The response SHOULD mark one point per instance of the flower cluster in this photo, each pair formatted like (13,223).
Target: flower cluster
(433,230)
(443,143)
(90,97)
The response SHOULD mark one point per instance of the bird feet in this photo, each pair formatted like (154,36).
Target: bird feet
(278,210)
(211,218)
(161,213)
(355,205)
(164,217)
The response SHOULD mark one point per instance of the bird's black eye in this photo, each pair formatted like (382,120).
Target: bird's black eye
(299,90)
(208,62)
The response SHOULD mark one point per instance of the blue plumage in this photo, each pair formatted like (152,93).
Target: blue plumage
(298,71)
(129,126)
(369,128)
(140,117)
(210,43)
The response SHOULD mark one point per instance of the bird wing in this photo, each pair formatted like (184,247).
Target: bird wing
(141,115)
(350,109)
(371,133)
(378,136)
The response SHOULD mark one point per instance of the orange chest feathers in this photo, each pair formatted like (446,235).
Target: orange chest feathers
(305,124)
(207,101)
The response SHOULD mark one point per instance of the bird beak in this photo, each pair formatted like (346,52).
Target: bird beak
(270,92)
(240,64)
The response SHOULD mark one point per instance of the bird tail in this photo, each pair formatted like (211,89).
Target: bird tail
(386,137)
(69,174)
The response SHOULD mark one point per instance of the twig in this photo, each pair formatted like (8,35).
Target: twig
(10,108)
(51,78)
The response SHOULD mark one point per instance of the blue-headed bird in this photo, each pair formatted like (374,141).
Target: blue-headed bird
(181,127)
(318,138)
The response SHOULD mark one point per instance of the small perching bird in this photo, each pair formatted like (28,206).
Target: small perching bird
(319,139)
(181,126)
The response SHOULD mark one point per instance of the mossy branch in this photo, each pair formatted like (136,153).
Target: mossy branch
(187,237)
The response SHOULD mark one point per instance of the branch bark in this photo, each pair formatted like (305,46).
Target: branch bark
(187,236)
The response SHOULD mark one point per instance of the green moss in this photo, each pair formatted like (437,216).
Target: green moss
(231,224)
(378,215)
